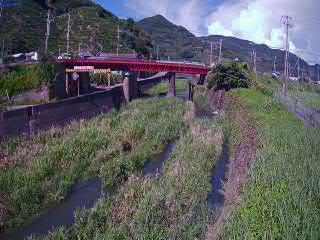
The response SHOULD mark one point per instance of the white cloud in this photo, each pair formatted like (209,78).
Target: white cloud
(218,29)
(276,38)
(254,20)
(259,21)
(187,13)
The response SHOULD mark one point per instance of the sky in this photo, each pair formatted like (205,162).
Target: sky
(255,20)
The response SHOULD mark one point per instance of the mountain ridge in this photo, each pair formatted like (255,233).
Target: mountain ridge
(193,48)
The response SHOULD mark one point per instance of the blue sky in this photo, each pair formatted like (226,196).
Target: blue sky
(117,7)
(121,9)
(254,20)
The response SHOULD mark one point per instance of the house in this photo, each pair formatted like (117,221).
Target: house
(19,57)
(85,54)
(32,56)
(26,57)
(294,79)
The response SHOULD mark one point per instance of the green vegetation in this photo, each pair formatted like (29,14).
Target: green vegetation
(23,28)
(162,88)
(306,93)
(19,79)
(281,198)
(228,76)
(38,171)
(102,79)
(172,207)
(16,80)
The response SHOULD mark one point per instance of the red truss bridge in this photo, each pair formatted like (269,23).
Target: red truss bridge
(136,65)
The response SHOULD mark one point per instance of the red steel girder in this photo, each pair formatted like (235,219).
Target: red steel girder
(137,65)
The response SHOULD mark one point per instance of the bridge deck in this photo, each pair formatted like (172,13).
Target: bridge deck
(136,65)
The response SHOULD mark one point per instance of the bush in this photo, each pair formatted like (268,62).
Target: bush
(19,79)
(102,79)
(228,76)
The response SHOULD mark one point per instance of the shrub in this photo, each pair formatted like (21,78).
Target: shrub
(228,76)
(102,79)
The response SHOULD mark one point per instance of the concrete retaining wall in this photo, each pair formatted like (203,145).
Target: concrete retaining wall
(42,117)
(146,84)
(37,118)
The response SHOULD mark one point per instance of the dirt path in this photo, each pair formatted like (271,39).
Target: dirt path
(244,154)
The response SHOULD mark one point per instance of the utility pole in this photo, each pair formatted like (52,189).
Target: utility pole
(318,73)
(68,33)
(49,20)
(287,21)
(2,48)
(80,48)
(211,53)
(158,52)
(150,53)
(220,51)
(298,68)
(254,57)
(274,64)
(1,7)
(254,61)
(118,39)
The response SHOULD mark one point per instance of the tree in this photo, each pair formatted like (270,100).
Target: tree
(228,76)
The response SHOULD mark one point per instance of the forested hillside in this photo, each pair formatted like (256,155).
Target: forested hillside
(92,28)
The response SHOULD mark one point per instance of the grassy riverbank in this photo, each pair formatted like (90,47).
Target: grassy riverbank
(281,198)
(172,207)
(39,171)
(309,94)
(162,88)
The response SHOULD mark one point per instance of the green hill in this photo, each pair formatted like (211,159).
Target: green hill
(93,28)
(178,43)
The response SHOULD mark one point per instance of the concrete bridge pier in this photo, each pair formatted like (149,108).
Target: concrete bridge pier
(130,86)
(172,85)
(202,79)
(84,84)
(191,90)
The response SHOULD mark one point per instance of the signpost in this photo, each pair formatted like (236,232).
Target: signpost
(84,69)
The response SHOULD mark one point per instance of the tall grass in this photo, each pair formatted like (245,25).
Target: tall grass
(42,169)
(281,199)
(23,78)
(173,207)
(306,93)
(162,88)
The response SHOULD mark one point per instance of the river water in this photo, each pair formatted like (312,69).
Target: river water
(154,168)
(216,196)
(83,195)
